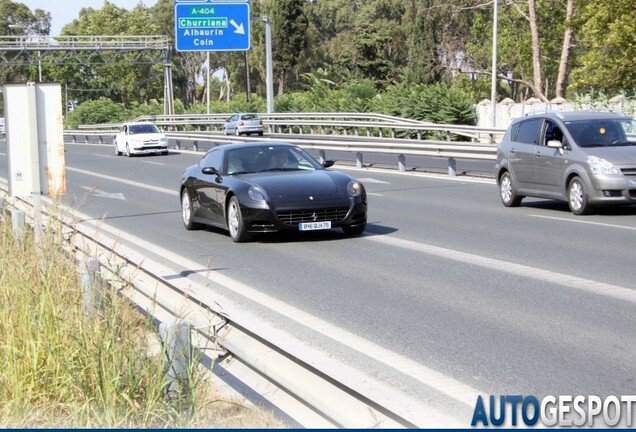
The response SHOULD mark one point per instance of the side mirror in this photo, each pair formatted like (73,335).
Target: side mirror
(555,144)
(328,163)
(211,171)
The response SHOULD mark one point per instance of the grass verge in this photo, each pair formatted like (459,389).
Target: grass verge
(62,370)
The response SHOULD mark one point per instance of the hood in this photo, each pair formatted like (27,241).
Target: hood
(297,185)
(148,136)
(617,155)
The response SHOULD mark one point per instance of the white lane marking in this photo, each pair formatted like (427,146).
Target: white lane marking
(374,194)
(127,182)
(432,378)
(103,155)
(154,163)
(371,180)
(600,288)
(584,222)
(101,194)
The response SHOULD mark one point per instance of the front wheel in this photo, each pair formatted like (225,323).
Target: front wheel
(128,153)
(117,152)
(577,197)
(235,223)
(509,197)
(187,211)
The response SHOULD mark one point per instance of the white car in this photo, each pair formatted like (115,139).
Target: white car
(140,138)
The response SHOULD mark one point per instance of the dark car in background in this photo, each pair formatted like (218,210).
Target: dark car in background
(587,158)
(250,188)
(244,124)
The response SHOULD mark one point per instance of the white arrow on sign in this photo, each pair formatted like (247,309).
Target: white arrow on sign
(101,194)
(239,28)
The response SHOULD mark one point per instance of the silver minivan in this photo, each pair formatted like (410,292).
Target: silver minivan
(587,158)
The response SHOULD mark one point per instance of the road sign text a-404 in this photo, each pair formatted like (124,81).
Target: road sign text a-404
(212,25)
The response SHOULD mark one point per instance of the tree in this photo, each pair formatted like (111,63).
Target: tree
(289,40)
(16,19)
(607,44)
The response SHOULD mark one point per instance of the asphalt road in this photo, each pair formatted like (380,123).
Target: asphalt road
(466,295)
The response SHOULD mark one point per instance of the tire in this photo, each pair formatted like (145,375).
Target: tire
(187,211)
(577,197)
(260,134)
(117,152)
(354,230)
(236,132)
(165,152)
(235,224)
(507,193)
(128,150)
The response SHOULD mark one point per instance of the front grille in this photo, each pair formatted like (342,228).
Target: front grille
(294,217)
(629,171)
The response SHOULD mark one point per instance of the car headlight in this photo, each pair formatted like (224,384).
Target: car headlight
(601,166)
(257,194)
(163,141)
(354,188)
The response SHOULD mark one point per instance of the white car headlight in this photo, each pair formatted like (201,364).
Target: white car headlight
(257,194)
(354,188)
(601,166)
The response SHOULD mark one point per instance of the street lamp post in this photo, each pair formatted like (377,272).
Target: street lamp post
(493,87)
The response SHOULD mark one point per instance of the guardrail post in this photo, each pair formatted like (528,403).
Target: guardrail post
(359,160)
(177,348)
(17,224)
(101,139)
(452,167)
(195,145)
(321,156)
(1,207)
(178,144)
(402,163)
(74,139)
(91,287)
(88,140)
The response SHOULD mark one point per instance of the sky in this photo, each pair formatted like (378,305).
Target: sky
(65,11)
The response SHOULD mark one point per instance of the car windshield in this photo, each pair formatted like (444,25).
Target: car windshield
(602,132)
(143,128)
(269,158)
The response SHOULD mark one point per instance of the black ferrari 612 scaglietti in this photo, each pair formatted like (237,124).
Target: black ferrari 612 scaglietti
(260,187)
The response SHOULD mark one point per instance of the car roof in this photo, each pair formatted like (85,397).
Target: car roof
(232,146)
(138,123)
(575,115)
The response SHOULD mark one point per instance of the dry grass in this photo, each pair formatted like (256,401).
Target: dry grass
(62,369)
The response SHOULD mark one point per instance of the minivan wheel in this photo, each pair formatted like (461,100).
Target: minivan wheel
(509,197)
(577,197)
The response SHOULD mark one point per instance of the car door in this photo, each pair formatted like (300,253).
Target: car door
(231,124)
(550,161)
(524,151)
(211,192)
(120,138)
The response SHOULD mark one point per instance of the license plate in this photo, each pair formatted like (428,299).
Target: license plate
(311,226)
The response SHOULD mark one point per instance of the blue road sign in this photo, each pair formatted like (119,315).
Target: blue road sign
(209,25)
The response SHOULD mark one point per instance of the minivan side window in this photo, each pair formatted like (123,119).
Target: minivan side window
(530,131)
(553,132)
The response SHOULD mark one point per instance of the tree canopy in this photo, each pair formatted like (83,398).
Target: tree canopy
(546,48)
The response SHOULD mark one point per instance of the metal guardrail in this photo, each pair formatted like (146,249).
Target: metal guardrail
(348,142)
(215,327)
